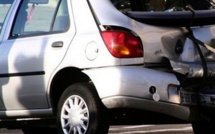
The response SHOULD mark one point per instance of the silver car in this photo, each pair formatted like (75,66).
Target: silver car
(82,65)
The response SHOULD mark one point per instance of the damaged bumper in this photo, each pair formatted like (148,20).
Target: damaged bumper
(193,69)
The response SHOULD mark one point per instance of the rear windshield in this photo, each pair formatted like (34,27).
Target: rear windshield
(162,5)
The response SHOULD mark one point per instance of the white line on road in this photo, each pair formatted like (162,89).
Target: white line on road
(129,127)
(155,131)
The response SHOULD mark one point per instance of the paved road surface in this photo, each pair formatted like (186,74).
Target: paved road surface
(140,129)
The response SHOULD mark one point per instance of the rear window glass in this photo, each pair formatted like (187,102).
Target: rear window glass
(162,5)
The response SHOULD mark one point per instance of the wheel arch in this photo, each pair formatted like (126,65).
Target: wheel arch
(63,79)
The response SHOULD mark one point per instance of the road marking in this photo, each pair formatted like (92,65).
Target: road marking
(155,131)
(129,127)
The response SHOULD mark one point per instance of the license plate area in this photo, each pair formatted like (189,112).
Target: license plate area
(188,98)
(207,100)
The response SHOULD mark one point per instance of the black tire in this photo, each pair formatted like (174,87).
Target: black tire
(203,127)
(92,120)
(39,130)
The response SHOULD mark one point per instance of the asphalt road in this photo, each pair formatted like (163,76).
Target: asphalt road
(138,129)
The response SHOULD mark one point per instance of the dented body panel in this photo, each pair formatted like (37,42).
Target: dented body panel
(161,41)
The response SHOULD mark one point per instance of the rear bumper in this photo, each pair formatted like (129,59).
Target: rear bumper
(130,87)
(174,110)
(134,81)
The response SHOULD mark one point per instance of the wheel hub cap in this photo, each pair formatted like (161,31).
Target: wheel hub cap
(75,115)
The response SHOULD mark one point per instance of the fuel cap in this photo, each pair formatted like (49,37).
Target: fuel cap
(91,51)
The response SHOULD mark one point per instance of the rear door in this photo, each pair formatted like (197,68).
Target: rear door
(5,6)
(35,46)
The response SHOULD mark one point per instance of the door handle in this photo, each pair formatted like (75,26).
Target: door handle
(57,44)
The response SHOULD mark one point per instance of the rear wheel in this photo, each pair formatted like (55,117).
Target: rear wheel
(80,111)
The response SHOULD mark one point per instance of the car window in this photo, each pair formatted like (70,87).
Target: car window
(162,5)
(61,22)
(37,19)
(4,8)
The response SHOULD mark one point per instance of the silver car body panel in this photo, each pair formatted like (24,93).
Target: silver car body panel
(29,55)
(136,82)
(88,42)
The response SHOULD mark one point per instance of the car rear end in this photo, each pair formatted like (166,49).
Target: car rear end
(166,55)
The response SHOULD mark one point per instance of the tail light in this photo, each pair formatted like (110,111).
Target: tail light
(122,44)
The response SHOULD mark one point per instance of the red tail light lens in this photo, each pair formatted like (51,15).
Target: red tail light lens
(123,44)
